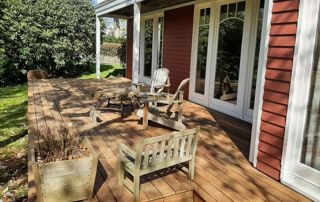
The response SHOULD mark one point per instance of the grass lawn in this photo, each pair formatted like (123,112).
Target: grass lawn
(13,134)
(106,70)
(13,141)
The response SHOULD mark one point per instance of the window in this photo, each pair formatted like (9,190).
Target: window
(152,45)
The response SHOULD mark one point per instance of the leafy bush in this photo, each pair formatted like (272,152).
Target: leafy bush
(122,53)
(110,49)
(112,39)
(57,36)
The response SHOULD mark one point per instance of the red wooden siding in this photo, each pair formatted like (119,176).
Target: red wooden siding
(277,85)
(178,26)
(129,48)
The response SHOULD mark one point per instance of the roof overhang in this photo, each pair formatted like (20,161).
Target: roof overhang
(108,6)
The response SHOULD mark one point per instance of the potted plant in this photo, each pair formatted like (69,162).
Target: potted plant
(64,166)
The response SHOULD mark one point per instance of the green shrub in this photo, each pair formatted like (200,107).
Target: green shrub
(57,36)
(122,53)
(110,49)
(112,39)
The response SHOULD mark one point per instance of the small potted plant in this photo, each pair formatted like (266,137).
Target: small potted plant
(64,165)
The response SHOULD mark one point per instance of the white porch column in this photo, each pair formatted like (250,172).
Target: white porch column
(136,42)
(98,33)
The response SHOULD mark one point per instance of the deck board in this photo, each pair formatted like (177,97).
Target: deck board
(222,171)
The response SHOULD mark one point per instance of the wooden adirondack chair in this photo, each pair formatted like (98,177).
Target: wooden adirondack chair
(156,153)
(167,117)
(160,80)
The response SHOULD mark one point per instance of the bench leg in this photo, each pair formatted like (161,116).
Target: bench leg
(136,188)
(191,169)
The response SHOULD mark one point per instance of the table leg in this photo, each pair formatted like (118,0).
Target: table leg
(121,107)
(145,114)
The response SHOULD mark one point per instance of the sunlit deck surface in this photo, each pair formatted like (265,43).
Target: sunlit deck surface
(222,173)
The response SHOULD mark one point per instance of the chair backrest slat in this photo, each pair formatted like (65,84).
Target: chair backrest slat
(182,146)
(189,145)
(162,150)
(160,77)
(154,154)
(145,163)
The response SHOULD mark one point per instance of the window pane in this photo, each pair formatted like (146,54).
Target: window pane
(160,42)
(241,9)
(202,51)
(148,37)
(232,10)
(256,55)
(228,59)
(311,144)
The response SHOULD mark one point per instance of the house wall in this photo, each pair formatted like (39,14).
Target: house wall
(277,85)
(178,27)
(177,41)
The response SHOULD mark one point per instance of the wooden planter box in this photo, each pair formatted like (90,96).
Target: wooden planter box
(69,180)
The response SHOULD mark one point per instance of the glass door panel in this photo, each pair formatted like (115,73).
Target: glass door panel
(203,36)
(310,154)
(148,40)
(229,52)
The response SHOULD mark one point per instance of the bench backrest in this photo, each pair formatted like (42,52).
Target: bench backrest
(164,151)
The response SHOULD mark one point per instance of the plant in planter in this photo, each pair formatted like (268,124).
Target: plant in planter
(64,166)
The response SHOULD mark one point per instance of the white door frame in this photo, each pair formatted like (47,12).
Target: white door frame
(155,37)
(309,14)
(264,44)
(223,106)
(242,109)
(194,96)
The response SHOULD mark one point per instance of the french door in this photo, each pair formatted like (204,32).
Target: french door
(301,167)
(225,57)
(151,46)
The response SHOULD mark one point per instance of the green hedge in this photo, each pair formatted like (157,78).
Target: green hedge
(110,49)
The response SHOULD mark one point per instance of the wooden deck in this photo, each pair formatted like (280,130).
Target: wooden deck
(222,172)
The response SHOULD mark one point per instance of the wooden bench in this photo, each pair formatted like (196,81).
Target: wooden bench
(156,153)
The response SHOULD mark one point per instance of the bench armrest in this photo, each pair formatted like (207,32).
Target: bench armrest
(124,149)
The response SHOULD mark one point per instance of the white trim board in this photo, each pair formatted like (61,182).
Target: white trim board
(291,168)
(264,47)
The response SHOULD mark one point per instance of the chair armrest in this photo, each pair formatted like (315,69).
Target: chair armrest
(159,86)
(126,151)
(139,84)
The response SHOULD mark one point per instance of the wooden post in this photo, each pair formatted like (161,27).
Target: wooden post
(136,42)
(145,114)
(98,33)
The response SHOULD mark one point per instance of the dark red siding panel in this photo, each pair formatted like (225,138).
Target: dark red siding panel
(129,48)
(274,173)
(277,85)
(178,26)
(283,29)
(271,139)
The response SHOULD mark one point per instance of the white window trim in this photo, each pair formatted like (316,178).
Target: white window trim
(155,42)
(300,81)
